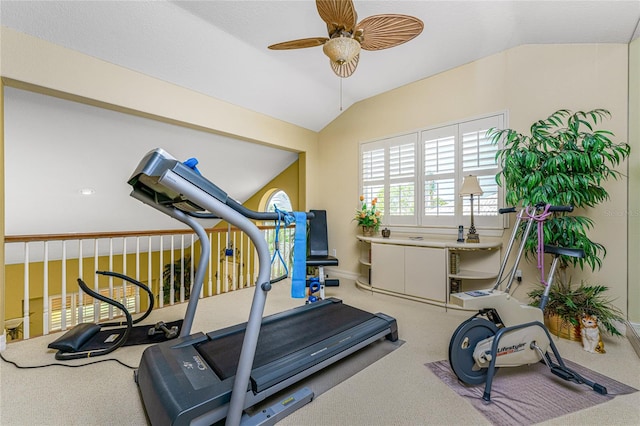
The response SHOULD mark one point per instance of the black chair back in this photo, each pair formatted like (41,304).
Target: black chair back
(318,240)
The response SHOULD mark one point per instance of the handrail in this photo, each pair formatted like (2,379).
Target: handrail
(115,234)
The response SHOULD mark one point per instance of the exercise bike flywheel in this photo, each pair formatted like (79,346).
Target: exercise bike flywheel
(461,347)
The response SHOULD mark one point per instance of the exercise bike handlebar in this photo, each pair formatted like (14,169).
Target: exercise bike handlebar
(529,214)
(551,208)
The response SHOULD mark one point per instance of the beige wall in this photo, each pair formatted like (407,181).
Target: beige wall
(530,82)
(634,182)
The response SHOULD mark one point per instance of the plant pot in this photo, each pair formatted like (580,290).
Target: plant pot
(562,328)
(368,231)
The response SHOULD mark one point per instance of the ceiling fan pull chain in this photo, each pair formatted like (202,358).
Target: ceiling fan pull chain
(340,93)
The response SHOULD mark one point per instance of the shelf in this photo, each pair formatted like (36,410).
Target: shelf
(473,275)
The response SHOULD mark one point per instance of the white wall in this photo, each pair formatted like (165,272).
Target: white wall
(55,147)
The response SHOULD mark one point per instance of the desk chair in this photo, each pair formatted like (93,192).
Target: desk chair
(318,244)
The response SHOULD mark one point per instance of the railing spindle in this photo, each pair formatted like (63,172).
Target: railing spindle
(45,289)
(182,268)
(63,318)
(172,291)
(137,289)
(110,277)
(96,285)
(218,274)
(80,307)
(210,283)
(25,304)
(161,273)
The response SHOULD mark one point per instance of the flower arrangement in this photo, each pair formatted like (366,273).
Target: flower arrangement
(366,216)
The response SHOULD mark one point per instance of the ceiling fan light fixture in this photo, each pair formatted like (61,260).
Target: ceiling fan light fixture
(341,49)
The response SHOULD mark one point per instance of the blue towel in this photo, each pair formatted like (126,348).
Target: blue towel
(299,275)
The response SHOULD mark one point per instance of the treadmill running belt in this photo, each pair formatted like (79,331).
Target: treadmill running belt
(283,337)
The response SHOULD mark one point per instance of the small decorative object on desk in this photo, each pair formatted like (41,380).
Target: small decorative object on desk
(386,233)
(368,217)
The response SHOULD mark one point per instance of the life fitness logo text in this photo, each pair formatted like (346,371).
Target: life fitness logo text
(199,364)
(506,350)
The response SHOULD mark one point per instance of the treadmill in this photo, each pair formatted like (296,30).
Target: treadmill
(202,378)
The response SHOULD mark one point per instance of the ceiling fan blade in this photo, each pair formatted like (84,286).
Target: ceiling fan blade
(379,32)
(300,43)
(346,69)
(338,14)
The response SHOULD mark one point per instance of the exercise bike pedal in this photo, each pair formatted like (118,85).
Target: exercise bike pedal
(564,374)
(602,390)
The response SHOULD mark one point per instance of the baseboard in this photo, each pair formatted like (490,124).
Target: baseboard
(3,342)
(634,339)
(340,273)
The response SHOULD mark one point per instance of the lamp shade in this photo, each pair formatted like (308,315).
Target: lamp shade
(470,186)
(341,49)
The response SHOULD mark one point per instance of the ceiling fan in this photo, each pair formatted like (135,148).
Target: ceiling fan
(347,37)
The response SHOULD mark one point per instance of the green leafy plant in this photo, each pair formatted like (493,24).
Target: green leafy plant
(570,303)
(564,160)
(178,271)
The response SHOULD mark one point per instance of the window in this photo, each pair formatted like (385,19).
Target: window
(416,177)
(283,263)
(280,199)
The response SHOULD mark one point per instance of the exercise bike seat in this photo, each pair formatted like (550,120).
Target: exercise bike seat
(564,251)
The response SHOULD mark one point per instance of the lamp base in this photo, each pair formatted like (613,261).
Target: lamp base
(473,238)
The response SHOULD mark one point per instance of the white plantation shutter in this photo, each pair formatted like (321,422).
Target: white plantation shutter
(439,157)
(423,172)
(402,176)
(373,174)
(479,158)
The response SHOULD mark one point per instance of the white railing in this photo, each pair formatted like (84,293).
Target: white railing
(36,267)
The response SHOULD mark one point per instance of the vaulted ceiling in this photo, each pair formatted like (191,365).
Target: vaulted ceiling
(219,48)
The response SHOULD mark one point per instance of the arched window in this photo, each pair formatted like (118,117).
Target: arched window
(280,199)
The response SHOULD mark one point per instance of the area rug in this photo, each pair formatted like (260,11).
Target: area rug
(544,396)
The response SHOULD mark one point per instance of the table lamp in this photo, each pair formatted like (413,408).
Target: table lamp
(471,187)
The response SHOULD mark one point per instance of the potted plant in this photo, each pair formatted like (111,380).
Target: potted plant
(567,304)
(178,271)
(564,160)
(368,217)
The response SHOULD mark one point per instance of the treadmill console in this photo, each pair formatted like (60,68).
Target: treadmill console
(155,166)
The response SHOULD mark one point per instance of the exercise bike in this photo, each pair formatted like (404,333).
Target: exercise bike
(504,332)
